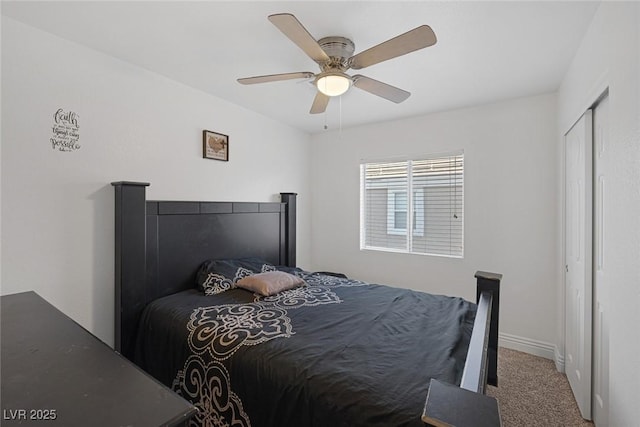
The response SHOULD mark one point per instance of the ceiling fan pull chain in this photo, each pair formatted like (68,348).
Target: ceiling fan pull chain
(340,108)
(325,120)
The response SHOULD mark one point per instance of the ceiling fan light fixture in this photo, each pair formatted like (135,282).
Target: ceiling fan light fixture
(333,83)
(334,55)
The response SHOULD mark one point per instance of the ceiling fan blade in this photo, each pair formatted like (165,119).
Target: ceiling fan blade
(380,89)
(320,103)
(418,38)
(295,31)
(275,78)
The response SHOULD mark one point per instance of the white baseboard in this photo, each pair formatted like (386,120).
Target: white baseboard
(537,348)
(527,345)
(559,359)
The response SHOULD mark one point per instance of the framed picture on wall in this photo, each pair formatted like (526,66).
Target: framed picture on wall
(215,145)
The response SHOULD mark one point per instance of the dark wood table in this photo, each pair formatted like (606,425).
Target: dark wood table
(56,373)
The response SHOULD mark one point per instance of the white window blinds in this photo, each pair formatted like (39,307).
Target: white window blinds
(427,193)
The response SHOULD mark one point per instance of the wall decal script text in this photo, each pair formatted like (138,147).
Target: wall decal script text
(66,131)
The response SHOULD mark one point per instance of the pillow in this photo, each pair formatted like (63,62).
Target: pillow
(217,276)
(269,283)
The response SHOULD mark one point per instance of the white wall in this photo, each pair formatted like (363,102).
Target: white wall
(609,56)
(57,207)
(510,207)
(0,165)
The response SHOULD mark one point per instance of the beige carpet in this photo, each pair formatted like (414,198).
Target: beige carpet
(531,392)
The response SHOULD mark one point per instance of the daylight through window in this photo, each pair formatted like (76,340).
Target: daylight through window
(427,193)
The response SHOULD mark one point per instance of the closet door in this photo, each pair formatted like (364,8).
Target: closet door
(578,260)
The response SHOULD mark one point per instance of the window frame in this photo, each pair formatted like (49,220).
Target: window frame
(417,215)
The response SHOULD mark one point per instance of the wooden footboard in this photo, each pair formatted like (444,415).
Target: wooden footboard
(467,406)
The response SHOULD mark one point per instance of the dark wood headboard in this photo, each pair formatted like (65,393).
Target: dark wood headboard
(159,246)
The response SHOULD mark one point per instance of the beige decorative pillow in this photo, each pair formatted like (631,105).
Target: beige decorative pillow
(270,282)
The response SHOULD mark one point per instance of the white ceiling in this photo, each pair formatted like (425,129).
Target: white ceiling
(486,51)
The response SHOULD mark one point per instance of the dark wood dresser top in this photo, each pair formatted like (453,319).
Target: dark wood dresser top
(55,373)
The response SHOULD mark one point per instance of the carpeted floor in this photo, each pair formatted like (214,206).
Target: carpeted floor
(531,392)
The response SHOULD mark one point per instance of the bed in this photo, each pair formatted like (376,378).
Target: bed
(332,351)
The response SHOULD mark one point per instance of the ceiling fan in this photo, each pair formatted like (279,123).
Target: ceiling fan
(335,56)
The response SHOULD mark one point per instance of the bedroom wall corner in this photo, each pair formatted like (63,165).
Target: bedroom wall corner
(57,201)
(509,207)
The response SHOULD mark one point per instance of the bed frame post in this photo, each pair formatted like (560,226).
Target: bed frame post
(490,282)
(130,259)
(289,228)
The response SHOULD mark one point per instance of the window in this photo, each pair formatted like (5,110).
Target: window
(434,207)
(397,212)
